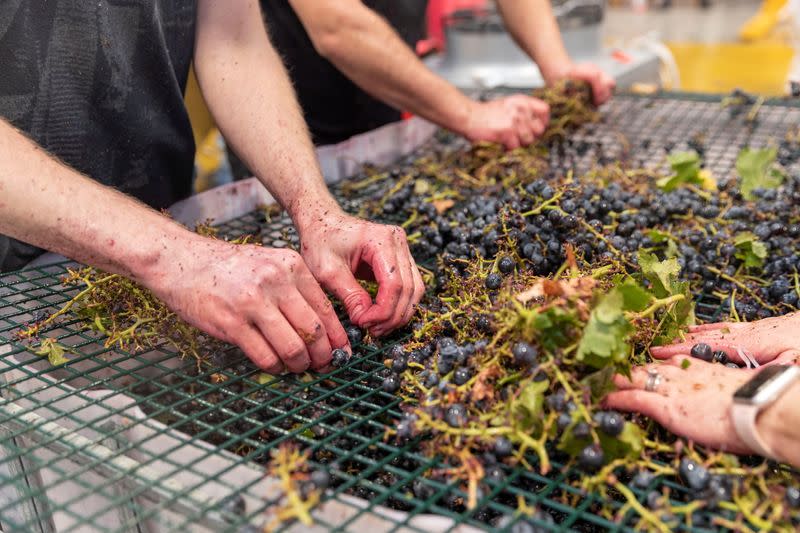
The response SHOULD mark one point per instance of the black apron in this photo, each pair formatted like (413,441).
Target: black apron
(336,108)
(99,84)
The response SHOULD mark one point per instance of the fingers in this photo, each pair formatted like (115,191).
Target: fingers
(531,118)
(419,292)
(649,404)
(288,345)
(714,326)
(415,279)
(396,298)
(640,375)
(602,88)
(524,130)
(511,140)
(257,349)
(308,326)
(313,294)
(341,282)
(602,84)
(540,110)
(717,344)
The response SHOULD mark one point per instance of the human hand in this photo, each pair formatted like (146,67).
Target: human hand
(602,84)
(513,121)
(264,300)
(772,340)
(694,402)
(340,248)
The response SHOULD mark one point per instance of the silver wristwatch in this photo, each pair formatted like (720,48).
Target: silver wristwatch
(760,392)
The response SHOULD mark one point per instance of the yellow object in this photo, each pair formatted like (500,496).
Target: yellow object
(719,68)
(762,23)
(210,155)
(709,182)
(200,117)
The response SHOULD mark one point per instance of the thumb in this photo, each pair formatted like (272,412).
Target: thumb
(342,284)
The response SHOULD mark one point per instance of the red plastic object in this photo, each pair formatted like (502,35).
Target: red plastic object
(621,56)
(437,13)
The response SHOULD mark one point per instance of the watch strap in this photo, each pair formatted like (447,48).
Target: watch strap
(744,421)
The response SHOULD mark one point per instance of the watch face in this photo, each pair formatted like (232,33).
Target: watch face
(749,390)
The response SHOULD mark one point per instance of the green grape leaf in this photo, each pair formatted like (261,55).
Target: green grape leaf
(529,406)
(686,170)
(662,274)
(750,250)
(554,328)
(658,236)
(756,170)
(604,338)
(672,250)
(600,383)
(570,444)
(634,297)
(54,351)
(628,444)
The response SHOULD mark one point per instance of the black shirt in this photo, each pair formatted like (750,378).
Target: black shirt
(336,108)
(100,85)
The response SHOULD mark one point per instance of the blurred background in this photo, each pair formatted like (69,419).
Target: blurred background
(709,46)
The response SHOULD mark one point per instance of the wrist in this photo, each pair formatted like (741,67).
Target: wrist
(173,246)
(778,426)
(555,71)
(310,213)
(459,117)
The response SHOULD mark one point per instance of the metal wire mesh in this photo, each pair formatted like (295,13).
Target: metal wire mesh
(116,441)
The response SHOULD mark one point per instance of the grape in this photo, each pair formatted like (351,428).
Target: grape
(582,430)
(612,423)
(399,363)
(503,447)
(558,401)
(391,383)
(354,334)
(422,490)
(320,478)
(461,375)
(693,474)
(702,351)
(493,281)
(563,421)
(524,354)
(506,265)
(339,357)
(793,497)
(591,457)
(495,474)
(643,479)
(720,357)
(456,415)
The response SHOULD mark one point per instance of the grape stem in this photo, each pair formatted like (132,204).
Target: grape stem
(658,304)
(644,513)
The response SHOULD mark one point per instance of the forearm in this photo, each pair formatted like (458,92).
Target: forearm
(369,52)
(779,425)
(48,204)
(250,96)
(534,28)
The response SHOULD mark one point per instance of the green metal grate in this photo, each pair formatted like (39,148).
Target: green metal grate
(115,441)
